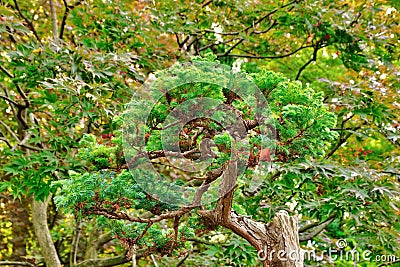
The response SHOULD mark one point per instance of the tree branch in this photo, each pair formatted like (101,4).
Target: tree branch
(314,58)
(232,47)
(11,101)
(183,260)
(20,263)
(6,72)
(318,228)
(10,131)
(125,216)
(75,243)
(342,140)
(29,22)
(68,8)
(108,262)
(256,22)
(104,238)
(389,263)
(7,95)
(22,94)
(270,57)
(5,140)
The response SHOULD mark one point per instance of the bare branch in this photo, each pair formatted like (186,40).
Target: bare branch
(19,263)
(149,224)
(314,58)
(183,260)
(108,262)
(269,57)
(154,260)
(104,238)
(10,100)
(29,22)
(206,3)
(180,44)
(343,139)
(273,24)
(75,243)
(256,22)
(68,8)
(233,47)
(119,215)
(389,263)
(10,131)
(7,95)
(23,95)
(162,153)
(5,140)
(23,142)
(317,229)
(6,72)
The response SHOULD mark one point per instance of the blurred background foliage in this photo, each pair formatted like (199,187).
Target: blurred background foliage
(65,84)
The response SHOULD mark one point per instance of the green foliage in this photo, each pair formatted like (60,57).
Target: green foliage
(302,121)
(335,149)
(234,253)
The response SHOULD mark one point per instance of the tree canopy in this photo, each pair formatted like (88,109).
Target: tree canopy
(184,133)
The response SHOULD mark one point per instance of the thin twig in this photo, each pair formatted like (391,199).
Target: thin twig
(183,260)
(29,22)
(269,57)
(317,230)
(154,260)
(75,242)
(10,131)
(23,95)
(10,100)
(68,8)
(314,58)
(5,140)
(23,263)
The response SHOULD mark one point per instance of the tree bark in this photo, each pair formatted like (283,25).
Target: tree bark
(277,242)
(39,220)
(54,20)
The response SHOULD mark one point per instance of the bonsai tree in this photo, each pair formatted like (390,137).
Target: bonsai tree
(194,142)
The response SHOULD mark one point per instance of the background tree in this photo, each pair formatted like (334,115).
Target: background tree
(54,92)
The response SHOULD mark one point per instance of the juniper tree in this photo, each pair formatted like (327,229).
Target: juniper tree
(188,148)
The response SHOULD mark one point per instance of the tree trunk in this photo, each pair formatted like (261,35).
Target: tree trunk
(54,20)
(277,242)
(39,220)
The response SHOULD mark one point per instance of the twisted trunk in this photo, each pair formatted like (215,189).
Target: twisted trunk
(277,242)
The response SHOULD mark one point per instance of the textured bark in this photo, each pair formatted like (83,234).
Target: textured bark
(277,242)
(39,220)
(54,20)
